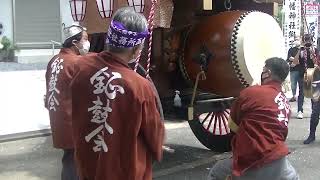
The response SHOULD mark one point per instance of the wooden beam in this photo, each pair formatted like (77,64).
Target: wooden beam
(269,1)
(207,5)
(275,9)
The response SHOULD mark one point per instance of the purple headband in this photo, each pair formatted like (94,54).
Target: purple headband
(119,36)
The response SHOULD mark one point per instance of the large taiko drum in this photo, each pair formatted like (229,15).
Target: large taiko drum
(239,42)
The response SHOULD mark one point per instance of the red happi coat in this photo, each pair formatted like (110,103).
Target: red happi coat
(58,99)
(117,127)
(262,114)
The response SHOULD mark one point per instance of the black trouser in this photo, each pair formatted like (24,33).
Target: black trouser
(314,120)
(301,93)
(69,171)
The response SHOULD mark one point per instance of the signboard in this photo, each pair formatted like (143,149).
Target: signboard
(292,21)
(311,11)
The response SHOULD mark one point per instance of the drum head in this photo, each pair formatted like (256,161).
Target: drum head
(258,38)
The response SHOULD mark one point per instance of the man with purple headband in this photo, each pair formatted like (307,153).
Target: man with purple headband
(117,128)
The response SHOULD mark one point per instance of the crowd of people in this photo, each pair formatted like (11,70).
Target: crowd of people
(108,119)
(303,56)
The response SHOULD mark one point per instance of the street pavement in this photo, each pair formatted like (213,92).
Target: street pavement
(35,159)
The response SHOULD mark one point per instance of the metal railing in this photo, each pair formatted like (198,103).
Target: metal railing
(53,47)
(51,43)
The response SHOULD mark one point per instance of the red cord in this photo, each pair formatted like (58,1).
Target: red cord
(151,26)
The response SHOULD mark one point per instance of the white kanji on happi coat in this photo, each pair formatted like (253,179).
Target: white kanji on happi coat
(100,108)
(284,108)
(56,67)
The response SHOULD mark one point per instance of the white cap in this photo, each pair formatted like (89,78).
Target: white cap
(72,31)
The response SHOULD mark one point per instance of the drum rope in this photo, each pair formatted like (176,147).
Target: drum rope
(151,27)
(137,62)
(151,24)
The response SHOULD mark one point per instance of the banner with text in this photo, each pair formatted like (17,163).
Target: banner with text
(311,12)
(292,21)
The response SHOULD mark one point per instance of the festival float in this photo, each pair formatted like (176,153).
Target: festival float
(200,55)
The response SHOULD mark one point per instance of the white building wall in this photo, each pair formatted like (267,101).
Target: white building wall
(32,115)
(65,12)
(6,18)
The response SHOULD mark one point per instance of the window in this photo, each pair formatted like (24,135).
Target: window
(36,23)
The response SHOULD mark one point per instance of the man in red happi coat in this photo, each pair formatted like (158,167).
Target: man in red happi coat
(118,131)
(59,73)
(259,119)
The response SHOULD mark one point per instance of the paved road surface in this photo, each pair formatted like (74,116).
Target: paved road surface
(35,159)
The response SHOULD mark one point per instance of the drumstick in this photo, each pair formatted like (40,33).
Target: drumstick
(316,82)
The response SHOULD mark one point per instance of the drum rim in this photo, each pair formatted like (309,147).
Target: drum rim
(181,60)
(233,49)
(238,58)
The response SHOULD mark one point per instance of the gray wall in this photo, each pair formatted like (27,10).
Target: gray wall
(6,18)
(34,21)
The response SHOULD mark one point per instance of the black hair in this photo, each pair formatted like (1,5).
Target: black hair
(279,68)
(308,37)
(68,43)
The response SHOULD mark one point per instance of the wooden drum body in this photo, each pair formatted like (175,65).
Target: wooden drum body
(238,43)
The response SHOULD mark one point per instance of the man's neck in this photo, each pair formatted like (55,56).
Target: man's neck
(75,50)
(121,56)
(271,81)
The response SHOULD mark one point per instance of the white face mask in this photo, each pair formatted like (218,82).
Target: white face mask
(85,48)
